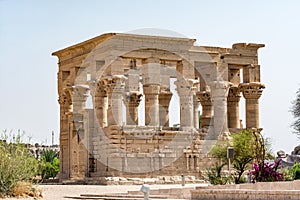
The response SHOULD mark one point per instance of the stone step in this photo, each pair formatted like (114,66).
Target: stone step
(126,195)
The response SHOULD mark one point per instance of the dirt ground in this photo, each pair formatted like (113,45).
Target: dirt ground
(64,192)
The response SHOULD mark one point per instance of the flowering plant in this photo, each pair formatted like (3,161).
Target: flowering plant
(267,171)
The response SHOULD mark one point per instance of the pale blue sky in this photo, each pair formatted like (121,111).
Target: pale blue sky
(31,30)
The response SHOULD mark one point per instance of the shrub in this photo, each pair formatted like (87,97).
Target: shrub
(295,171)
(267,172)
(17,164)
(214,175)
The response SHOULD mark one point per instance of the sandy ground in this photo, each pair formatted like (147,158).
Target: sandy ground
(64,192)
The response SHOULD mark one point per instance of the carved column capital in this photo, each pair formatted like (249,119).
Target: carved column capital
(151,89)
(219,88)
(204,97)
(132,99)
(234,94)
(252,90)
(184,87)
(115,84)
(80,94)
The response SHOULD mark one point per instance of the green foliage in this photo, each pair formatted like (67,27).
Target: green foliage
(295,171)
(16,163)
(49,164)
(214,175)
(248,147)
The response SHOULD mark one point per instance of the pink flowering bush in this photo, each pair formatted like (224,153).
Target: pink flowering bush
(267,172)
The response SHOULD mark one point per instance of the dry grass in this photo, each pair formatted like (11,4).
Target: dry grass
(26,189)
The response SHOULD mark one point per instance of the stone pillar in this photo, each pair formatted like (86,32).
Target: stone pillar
(151,104)
(205,101)
(132,101)
(151,86)
(233,110)
(100,103)
(77,131)
(186,103)
(196,102)
(219,93)
(114,94)
(164,101)
(80,94)
(252,92)
(65,101)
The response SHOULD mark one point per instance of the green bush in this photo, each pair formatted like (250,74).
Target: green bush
(16,164)
(214,175)
(49,164)
(295,171)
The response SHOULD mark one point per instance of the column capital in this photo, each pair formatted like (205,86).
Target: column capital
(184,87)
(132,98)
(115,83)
(252,90)
(164,99)
(80,95)
(219,88)
(234,94)
(151,89)
(204,97)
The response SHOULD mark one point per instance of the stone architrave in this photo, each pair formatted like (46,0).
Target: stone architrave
(233,107)
(252,92)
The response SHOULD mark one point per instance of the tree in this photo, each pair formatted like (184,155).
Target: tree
(296,112)
(248,146)
(49,164)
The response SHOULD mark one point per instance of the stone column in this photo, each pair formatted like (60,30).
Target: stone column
(100,102)
(164,101)
(65,101)
(78,153)
(233,110)
(151,86)
(151,104)
(196,102)
(186,103)
(80,94)
(114,94)
(252,92)
(132,101)
(205,101)
(219,93)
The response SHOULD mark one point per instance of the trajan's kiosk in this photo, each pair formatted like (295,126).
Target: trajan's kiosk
(119,92)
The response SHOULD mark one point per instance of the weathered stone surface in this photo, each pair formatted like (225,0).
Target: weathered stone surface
(122,74)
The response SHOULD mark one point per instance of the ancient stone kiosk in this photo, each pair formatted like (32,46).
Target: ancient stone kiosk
(120,95)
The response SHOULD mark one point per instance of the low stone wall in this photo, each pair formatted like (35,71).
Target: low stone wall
(139,181)
(261,191)
(226,194)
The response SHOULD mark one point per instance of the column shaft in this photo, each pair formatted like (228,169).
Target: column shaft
(205,100)
(219,92)
(164,101)
(252,92)
(233,108)
(151,104)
